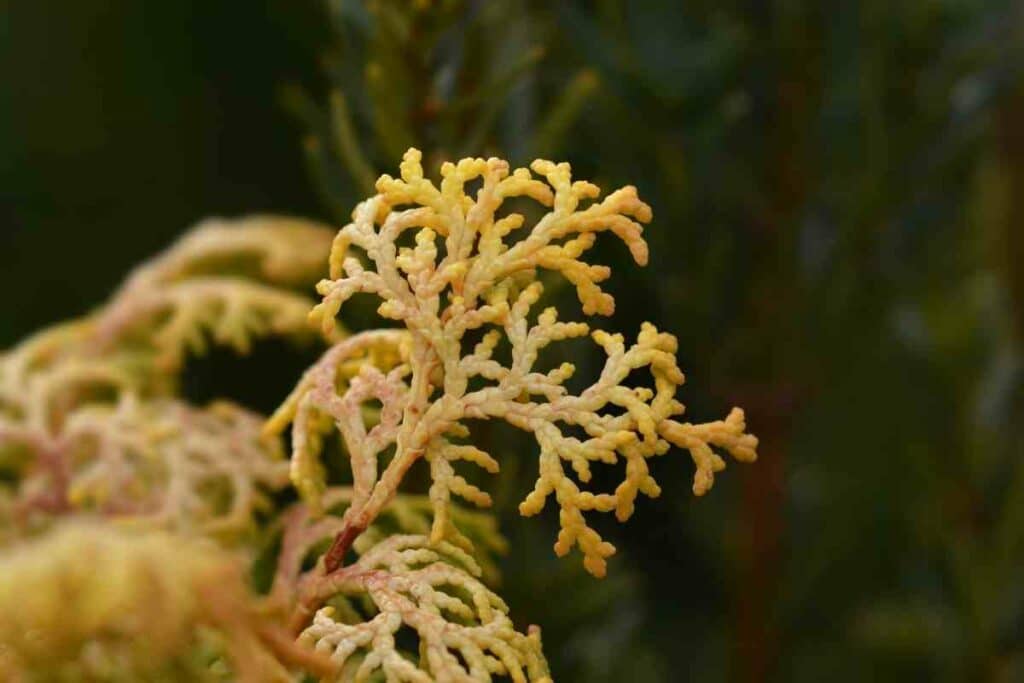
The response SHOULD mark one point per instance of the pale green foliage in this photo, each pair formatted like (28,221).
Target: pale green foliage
(94,603)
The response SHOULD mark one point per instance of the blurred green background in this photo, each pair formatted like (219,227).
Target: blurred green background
(838,243)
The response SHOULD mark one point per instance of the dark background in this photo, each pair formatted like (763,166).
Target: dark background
(126,122)
(838,243)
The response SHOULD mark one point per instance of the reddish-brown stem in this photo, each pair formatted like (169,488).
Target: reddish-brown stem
(335,555)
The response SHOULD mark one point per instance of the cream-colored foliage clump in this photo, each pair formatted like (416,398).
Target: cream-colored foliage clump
(168,464)
(471,273)
(90,419)
(402,583)
(463,629)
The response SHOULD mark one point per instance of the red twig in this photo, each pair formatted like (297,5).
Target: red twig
(335,555)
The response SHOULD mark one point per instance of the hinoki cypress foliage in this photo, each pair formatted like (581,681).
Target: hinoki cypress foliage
(371,579)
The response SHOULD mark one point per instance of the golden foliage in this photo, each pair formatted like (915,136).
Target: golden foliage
(470,272)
